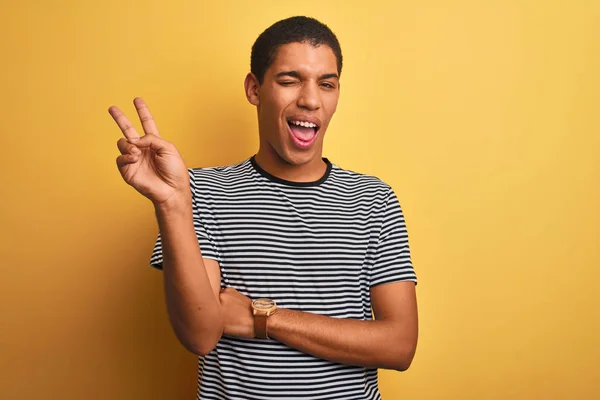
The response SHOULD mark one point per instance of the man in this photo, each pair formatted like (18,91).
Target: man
(272,266)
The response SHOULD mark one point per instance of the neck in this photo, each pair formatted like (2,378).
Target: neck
(310,171)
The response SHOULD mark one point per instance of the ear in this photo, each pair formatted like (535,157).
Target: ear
(251,86)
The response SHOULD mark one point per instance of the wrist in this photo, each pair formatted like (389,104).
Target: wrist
(263,309)
(178,204)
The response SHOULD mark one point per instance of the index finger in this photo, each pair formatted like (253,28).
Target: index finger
(125,125)
(148,123)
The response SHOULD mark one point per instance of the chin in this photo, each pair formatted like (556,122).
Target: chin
(297,158)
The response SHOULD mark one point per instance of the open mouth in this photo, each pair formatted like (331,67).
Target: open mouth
(304,133)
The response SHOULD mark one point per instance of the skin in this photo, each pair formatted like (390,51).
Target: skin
(302,81)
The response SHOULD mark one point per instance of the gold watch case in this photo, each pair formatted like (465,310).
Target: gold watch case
(263,306)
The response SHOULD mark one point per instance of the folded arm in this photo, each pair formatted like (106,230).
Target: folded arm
(387,342)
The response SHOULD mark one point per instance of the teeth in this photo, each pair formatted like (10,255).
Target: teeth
(304,124)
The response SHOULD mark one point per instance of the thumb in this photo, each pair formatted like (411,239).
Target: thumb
(153,142)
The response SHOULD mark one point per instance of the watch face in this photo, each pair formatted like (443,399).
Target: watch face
(263,304)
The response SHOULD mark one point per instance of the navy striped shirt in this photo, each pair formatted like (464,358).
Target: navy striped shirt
(316,247)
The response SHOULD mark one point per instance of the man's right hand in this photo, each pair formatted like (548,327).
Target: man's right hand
(149,163)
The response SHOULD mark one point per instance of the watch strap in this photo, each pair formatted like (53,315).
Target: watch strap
(260,326)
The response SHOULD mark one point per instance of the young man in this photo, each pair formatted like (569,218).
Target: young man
(273,266)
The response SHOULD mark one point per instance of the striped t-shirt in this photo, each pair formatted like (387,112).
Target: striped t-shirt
(316,247)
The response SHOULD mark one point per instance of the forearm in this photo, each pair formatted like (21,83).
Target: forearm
(193,309)
(376,344)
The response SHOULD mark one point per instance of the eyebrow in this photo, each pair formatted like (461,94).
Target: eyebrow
(295,74)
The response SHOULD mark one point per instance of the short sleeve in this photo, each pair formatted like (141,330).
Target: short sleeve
(392,261)
(205,241)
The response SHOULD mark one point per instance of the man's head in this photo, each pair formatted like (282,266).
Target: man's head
(294,82)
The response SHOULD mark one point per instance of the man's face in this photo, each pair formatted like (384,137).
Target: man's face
(296,101)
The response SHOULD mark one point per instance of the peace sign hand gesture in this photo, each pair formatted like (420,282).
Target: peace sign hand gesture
(149,163)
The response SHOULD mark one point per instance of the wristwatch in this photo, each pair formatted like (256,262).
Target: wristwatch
(261,309)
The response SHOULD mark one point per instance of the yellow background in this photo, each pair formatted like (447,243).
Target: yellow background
(483,115)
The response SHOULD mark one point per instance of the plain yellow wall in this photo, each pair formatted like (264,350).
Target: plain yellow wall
(483,115)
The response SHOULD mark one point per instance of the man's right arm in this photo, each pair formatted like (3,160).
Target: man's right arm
(192,283)
(155,168)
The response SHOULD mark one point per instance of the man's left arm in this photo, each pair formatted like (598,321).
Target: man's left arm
(391,339)
(387,342)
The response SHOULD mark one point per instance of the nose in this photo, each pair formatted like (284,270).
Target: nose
(310,97)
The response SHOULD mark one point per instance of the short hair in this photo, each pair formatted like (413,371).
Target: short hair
(297,29)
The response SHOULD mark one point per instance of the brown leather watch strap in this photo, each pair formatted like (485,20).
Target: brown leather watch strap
(260,326)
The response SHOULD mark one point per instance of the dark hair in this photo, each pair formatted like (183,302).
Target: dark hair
(291,30)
